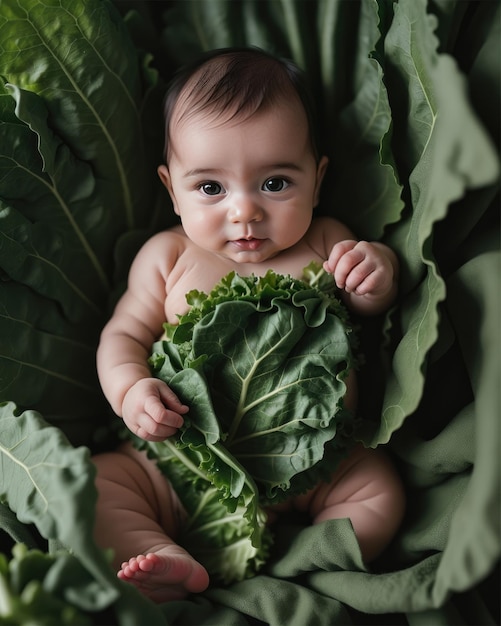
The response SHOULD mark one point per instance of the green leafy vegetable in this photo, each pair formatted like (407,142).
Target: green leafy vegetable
(77,169)
(49,484)
(262,364)
(25,597)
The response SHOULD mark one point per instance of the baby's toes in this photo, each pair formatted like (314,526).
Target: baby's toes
(150,563)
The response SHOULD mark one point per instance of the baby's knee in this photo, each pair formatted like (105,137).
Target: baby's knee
(373,480)
(367,489)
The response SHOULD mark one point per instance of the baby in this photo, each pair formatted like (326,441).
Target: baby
(244,172)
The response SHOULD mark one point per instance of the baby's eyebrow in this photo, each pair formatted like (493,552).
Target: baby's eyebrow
(208,171)
(285,166)
(202,171)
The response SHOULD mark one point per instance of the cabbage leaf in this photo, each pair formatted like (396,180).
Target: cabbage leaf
(262,363)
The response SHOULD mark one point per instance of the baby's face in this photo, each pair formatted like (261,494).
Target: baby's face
(244,189)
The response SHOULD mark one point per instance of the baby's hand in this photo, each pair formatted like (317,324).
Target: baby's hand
(152,411)
(361,268)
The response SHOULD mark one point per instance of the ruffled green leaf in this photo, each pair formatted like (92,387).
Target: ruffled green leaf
(79,59)
(261,362)
(365,129)
(452,154)
(49,483)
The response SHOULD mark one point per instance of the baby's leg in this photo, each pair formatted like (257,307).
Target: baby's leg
(366,489)
(138,515)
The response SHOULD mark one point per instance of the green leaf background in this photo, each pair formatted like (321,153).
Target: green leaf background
(408,97)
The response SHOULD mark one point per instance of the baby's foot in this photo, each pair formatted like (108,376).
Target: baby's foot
(169,573)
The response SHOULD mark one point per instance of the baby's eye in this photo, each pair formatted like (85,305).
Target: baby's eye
(211,188)
(275,184)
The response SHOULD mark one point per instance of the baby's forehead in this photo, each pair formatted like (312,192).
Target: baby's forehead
(220,93)
(192,104)
(211,125)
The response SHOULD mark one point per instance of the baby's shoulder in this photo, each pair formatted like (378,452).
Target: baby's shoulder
(174,235)
(163,248)
(164,242)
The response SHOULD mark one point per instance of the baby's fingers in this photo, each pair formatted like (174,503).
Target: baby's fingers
(337,253)
(171,401)
(352,269)
(160,415)
(148,429)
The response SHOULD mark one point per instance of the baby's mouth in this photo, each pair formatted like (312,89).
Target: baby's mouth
(250,243)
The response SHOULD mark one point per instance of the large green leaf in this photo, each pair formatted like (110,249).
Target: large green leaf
(60,226)
(276,384)
(49,483)
(364,133)
(78,57)
(72,182)
(263,369)
(453,154)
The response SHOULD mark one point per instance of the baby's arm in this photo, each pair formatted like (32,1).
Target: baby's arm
(148,407)
(366,272)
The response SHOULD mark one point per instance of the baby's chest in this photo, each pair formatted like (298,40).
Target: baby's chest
(191,276)
(195,272)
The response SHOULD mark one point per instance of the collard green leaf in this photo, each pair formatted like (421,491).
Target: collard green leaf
(49,483)
(72,181)
(454,154)
(262,361)
(61,213)
(78,57)
(44,362)
(275,385)
(364,132)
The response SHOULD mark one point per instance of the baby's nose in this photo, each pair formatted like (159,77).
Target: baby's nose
(244,208)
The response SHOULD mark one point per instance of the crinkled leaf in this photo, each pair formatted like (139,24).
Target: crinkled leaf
(365,132)
(49,483)
(453,154)
(225,527)
(71,182)
(78,57)
(272,355)
(261,363)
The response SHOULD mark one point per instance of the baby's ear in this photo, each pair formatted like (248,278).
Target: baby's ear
(321,169)
(163,172)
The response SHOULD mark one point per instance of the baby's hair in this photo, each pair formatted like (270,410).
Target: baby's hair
(237,82)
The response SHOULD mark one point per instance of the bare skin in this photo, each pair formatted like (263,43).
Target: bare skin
(167,573)
(245,192)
